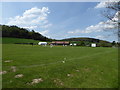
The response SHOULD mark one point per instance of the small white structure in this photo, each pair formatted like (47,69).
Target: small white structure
(74,44)
(42,43)
(93,45)
(71,44)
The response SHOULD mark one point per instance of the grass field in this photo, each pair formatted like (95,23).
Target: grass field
(6,40)
(60,67)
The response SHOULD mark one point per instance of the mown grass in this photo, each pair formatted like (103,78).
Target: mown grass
(9,40)
(88,67)
(0,59)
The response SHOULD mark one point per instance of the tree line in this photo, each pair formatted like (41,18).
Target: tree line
(17,32)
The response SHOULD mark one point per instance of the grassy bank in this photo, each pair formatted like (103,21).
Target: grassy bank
(17,40)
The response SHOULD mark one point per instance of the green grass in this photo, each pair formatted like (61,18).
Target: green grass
(0,65)
(18,40)
(98,67)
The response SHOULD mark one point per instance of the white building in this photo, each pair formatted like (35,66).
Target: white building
(93,45)
(71,44)
(42,43)
(75,44)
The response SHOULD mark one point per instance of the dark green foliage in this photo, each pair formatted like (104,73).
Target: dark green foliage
(16,32)
(113,43)
(87,42)
(82,43)
(104,44)
(8,40)
(85,39)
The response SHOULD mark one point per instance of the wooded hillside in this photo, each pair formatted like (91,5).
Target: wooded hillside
(17,32)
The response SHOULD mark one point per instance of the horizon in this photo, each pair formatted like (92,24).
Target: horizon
(58,20)
(56,39)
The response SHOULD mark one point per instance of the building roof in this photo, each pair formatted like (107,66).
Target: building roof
(60,42)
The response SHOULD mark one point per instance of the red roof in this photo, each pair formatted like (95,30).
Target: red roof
(60,42)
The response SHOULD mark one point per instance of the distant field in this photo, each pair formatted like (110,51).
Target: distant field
(18,40)
(60,67)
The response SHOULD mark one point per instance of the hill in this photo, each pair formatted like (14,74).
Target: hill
(92,40)
(17,32)
(85,41)
(14,34)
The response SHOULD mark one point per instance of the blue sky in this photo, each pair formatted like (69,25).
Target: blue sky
(58,20)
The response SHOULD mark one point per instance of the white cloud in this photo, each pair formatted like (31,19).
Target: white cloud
(32,18)
(75,31)
(101,37)
(117,17)
(101,26)
(101,5)
(45,32)
(109,25)
(105,37)
(46,26)
(104,4)
(30,27)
